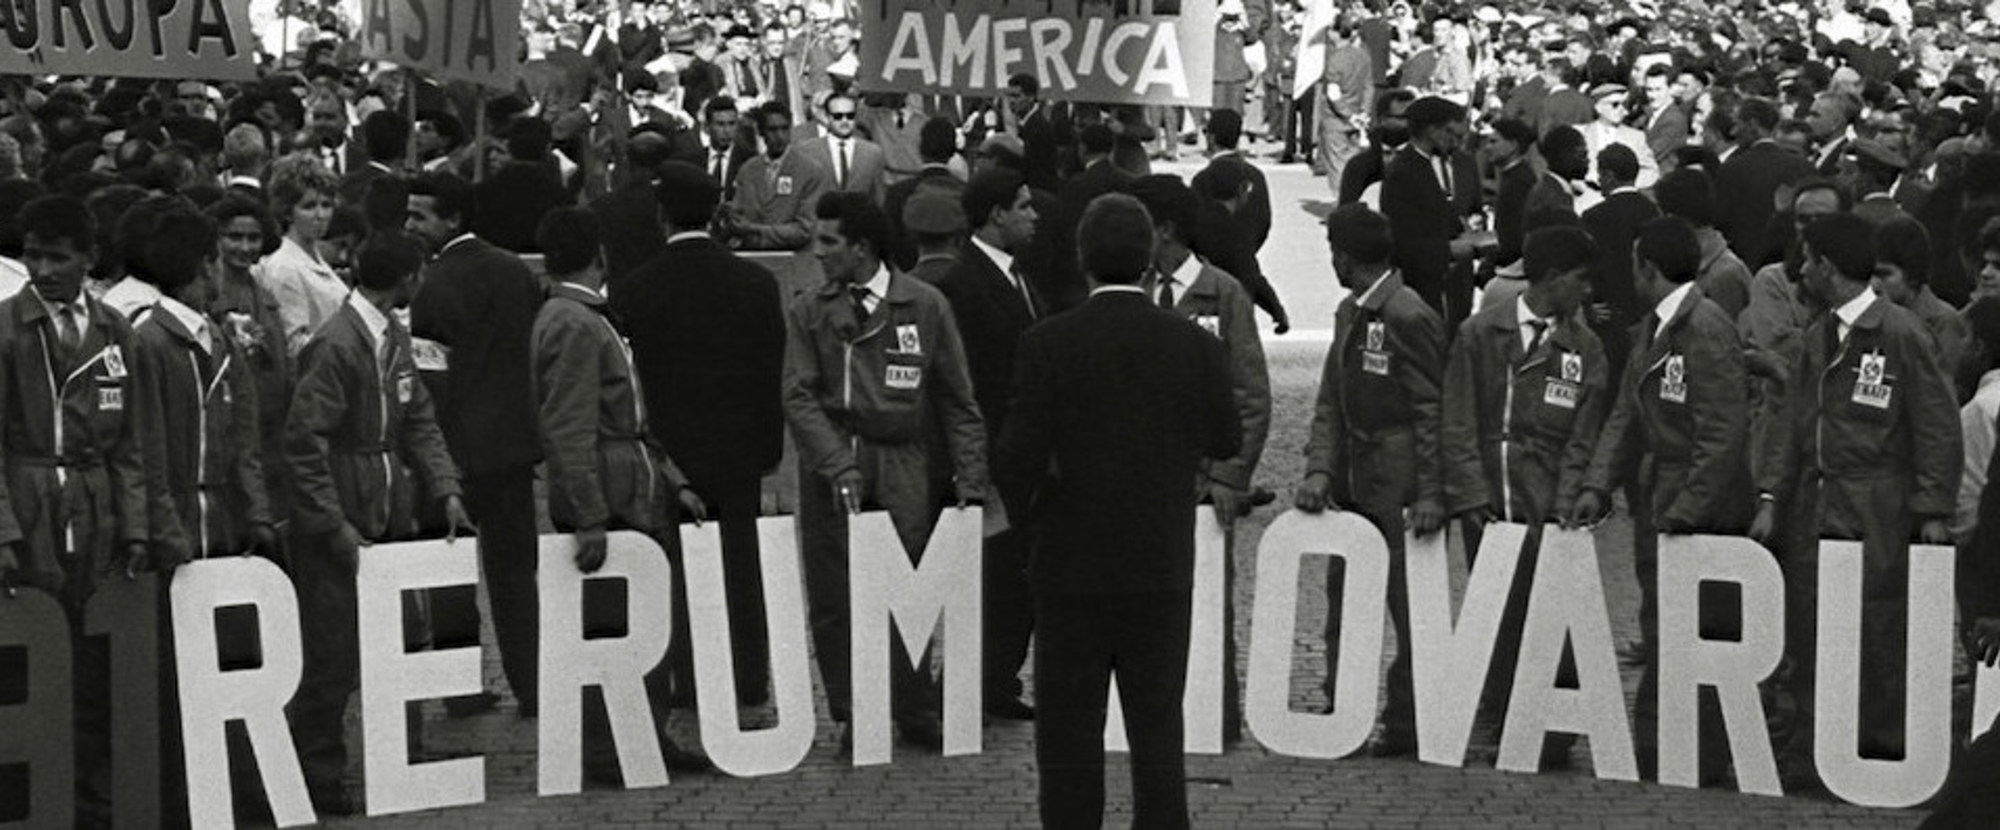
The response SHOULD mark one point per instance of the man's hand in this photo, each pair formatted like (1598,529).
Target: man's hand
(692,506)
(263,542)
(847,491)
(1935,532)
(1315,493)
(1229,502)
(1588,510)
(1986,640)
(1481,515)
(456,519)
(139,558)
(1426,517)
(590,549)
(1765,526)
(1281,322)
(347,544)
(10,567)
(1765,364)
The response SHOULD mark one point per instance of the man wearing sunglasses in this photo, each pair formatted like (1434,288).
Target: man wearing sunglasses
(850,163)
(775,192)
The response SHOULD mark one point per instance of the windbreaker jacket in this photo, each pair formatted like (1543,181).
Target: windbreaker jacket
(1684,399)
(879,380)
(204,463)
(1519,428)
(356,431)
(1220,306)
(1375,425)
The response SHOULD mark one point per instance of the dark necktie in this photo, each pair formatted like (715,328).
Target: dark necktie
(717,159)
(1541,330)
(1021,284)
(67,335)
(859,294)
(1167,293)
(900,122)
(840,163)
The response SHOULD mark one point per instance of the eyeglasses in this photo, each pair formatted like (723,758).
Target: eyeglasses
(841,116)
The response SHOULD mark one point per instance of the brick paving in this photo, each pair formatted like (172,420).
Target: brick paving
(1248,787)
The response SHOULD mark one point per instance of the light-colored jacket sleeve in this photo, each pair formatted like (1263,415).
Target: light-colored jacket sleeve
(1976,424)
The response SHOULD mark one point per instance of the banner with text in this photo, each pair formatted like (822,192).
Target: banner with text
(1120,52)
(478,41)
(128,38)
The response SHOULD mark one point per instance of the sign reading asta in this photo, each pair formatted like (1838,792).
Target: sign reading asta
(465,40)
(153,39)
(1118,52)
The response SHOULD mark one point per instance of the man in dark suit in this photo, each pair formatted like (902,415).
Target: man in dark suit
(1508,152)
(1225,132)
(1114,528)
(1668,124)
(1388,137)
(709,356)
(522,191)
(1099,176)
(1747,182)
(385,137)
(1614,223)
(478,303)
(629,215)
(937,143)
(1427,191)
(1220,238)
(995,305)
(1972,792)
(724,148)
(702,79)
(1037,133)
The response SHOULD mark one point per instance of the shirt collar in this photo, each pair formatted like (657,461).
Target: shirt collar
(1000,258)
(583,289)
(1621,189)
(251,182)
(372,318)
(1991,378)
(878,285)
(1852,310)
(1670,304)
(75,306)
(1120,288)
(1373,287)
(189,319)
(1185,275)
(686,235)
(1525,315)
(464,237)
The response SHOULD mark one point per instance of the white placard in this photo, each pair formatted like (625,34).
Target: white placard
(1267,697)
(735,750)
(1567,604)
(945,587)
(1733,669)
(1449,662)
(391,678)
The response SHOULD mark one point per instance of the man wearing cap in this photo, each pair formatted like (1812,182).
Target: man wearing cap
(1609,129)
(1876,170)
(739,75)
(933,225)
(995,303)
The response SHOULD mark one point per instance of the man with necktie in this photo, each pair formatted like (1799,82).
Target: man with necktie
(1868,448)
(1427,191)
(853,164)
(994,306)
(1684,400)
(1525,391)
(874,373)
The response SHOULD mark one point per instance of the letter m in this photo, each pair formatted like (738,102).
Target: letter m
(885,588)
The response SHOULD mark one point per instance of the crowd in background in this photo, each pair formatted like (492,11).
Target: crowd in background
(344,304)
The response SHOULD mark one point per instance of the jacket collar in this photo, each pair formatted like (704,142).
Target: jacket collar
(1378,294)
(578,293)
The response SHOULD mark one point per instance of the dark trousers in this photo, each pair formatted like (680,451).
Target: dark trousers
(502,504)
(823,539)
(1145,636)
(1507,645)
(1291,119)
(1971,795)
(1009,613)
(736,504)
(1399,717)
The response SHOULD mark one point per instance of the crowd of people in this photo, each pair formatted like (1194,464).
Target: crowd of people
(1740,266)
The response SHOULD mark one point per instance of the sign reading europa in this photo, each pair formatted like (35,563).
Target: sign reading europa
(1452,644)
(1123,52)
(129,38)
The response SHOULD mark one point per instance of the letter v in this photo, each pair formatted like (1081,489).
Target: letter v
(1449,663)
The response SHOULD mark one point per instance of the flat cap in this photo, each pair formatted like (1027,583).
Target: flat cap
(1868,151)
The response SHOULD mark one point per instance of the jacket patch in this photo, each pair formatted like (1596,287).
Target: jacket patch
(1561,393)
(904,377)
(114,362)
(908,341)
(1378,334)
(430,355)
(1572,367)
(1673,380)
(111,399)
(1209,323)
(405,388)
(1872,389)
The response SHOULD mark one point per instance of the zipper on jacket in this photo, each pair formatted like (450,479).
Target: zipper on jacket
(638,411)
(1506,429)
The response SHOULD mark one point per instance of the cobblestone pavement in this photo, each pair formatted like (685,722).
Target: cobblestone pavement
(1248,787)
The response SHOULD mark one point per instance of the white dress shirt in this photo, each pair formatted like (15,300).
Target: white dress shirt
(1668,305)
(878,288)
(190,320)
(1527,317)
(1851,311)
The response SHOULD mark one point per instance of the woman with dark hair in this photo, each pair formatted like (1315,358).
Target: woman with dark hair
(248,315)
